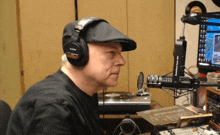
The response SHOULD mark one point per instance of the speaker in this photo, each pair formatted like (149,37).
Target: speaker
(76,49)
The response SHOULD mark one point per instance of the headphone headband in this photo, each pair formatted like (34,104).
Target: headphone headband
(82,24)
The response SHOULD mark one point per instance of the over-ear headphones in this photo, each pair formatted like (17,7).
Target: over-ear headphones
(76,48)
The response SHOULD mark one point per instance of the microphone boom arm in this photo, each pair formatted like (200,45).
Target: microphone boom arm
(198,18)
(178,81)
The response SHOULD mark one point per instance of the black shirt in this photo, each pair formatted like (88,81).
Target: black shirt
(55,106)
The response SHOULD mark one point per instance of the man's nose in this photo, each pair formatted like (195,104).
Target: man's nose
(120,60)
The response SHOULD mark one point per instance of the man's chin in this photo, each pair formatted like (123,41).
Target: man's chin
(114,84)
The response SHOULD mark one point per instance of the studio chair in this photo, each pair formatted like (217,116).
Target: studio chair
(5,112)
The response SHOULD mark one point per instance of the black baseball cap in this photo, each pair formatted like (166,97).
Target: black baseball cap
(100,31)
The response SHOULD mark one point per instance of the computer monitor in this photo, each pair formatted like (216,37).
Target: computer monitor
(209,45)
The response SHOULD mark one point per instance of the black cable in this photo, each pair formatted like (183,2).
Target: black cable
(76,10)
(167,74)
(190,74)
(187,100)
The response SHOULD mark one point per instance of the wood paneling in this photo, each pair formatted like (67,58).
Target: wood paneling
(42,24)
(31,43)
(151,24)
(10,80)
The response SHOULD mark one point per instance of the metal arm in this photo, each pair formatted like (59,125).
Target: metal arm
(198,18)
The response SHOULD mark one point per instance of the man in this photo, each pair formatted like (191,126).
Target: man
(66,102)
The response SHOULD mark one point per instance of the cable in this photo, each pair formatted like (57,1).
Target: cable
(187,100)
(192,66)
(76,10)
(167,74)
(127,121)
(190,73)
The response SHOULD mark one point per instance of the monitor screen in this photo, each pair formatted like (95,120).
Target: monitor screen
(209,45)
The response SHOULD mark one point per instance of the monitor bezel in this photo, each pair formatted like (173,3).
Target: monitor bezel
(210,67)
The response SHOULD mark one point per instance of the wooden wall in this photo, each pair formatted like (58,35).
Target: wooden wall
(38,27)
(31,45)
(41,26)
(151,24)
(10,77)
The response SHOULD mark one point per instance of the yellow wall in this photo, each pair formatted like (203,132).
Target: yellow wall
(42,24)
(39,27)
(151,24)
(10,79)
(31,49)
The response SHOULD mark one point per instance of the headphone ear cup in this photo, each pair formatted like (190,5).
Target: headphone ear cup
(85,52)
(77,52)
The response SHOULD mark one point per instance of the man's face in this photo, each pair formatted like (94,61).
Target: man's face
(104,64)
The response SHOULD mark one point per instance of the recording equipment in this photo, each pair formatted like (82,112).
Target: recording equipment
(212,103)
(179,59)
(76,48)
(193,130)
(184,83)
(140,80)
(178,81)
(167,82)
(122,102)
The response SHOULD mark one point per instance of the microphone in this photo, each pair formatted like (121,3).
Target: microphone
(192,18)
(199,18)
(184,83)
